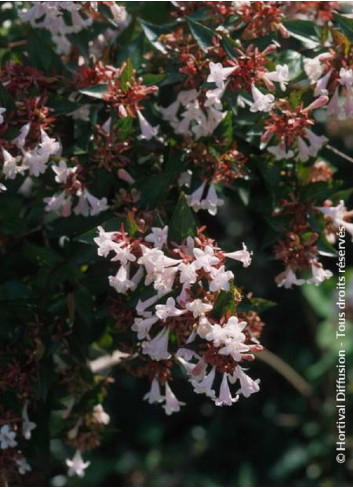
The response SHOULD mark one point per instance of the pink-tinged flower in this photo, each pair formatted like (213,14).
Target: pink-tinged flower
(288,278)
(172,405)
(59,203)
(218,74)
(347,225)
(154,396)
(313,68)
(120,281)
(104,241)
(90,205)
(198,308)
(304,152)
(99,415)
(27,425)
(194,200)
(346,77)
(10,167)
(62,171)
(220,279)
(142,326)
(348,103)
(147,131)
(20,141)
(333,108)
(214,98)
(77,466)
(319,274)
(205,258)
(280,153)
(188,274)
(122,253)
(125,176)
(335,213)
(225,397)
(281,76)
(170,113)
(185,97)
(164,311)
(158,237)
(242,255)
(248,386)
(157,348)
(204,386)
(212,202)
(143,305)
(316,142)
(22,465)
(7,437)
(262,102)
(321,85)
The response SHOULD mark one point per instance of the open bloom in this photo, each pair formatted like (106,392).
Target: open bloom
(7,437)
(262,102)
(218,74)
(242,255)
(164,311)
(77,466)
(154,395)
(225,396)
(319,274)
(157,348)
(27,425)
(281,75)
(172,405)
(147,131)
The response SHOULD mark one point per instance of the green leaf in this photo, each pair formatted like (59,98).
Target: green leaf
(126,75)
(345,23)
(304,31)
(41,52)
(182,222)
(203,35)
(6,99)
(95,91)
(152,32)
(225,302)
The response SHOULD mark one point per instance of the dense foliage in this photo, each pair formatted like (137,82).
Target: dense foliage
(165,168)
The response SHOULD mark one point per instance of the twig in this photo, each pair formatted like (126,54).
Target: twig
(296,380)
(339,153)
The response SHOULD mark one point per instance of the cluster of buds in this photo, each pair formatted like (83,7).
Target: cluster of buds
(182,319)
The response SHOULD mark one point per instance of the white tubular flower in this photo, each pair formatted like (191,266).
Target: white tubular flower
(157,348)
(313,68)
(194,200)
(27,425)
(22,465)
(59,203)
(188,274)
(147,131)
(205,385)
(288,278)
(281,75)
(2,111)
(120,281)
(220,279)
(99,415)
(172,405)
(7,437)
(10,167)
(304,151)
(280,153)
(164,311)
(218,74)
(142,326)
(321,85)
(104,242)
(248,386)
(204,327)
(319,274)
(143,305)
(154,396)
(212,202)
(205,258)
(170,113)
(62,172)
(198,308)
(262,103)
(158,237)
(316,142)
(335,213)
(185,97)
(225,397)
(77,466)
(122,253)
(346,77)
(242,255)
(214,98)
(20,141)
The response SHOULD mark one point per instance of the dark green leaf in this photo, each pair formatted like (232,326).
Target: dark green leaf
(203,35)
(182,223)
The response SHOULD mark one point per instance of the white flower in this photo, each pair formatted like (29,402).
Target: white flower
(198,308)
(212,202)
(194,200)
(62,172)
(184,179)
(172,405)
(154,396)
(231,336)
(122,253)
(304,151)
(20,141)
(170,113)
(313,68)
(164,311)
(281,75)
(321,85)
(205,258)
(346,77)
(262,103)
(316,142)
(10,167)
(319,274)
(188,274)
(90,205)
(147,131)
(288,278)
(280,153)
(157,348)
(218,335)
(7,437)
(120,281)
(218,74)
(77,466)
(220,279)
(104,241)
(22,465)
(143,305)
(205,385)
(142,326)
(214,98)
(99,415)
(185,97)
(204,327)
(225,397)
(242,255)
(27,425)
(158,237)
(59,203)
(2,110)
(335,213)
(248,386)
